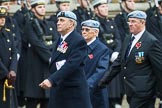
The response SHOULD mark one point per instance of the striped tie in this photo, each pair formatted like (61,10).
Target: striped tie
(129,47)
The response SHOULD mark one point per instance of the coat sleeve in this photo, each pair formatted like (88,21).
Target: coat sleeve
(101,68)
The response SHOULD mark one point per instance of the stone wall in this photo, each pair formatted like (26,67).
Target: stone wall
(114,8)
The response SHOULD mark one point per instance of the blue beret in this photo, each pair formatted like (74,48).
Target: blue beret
(67,14)
(137,14)
(91,23)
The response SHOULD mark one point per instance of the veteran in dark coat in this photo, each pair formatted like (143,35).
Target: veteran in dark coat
(97,63)
(8,64)
(139,62)
(67,81)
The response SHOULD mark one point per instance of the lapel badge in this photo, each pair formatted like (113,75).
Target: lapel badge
(138,45)
(90,56)
(62,47)
(139,57)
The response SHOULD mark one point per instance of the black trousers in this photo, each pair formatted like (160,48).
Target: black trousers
(141,102)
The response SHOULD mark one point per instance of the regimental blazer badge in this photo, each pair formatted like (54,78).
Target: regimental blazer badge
(62,47)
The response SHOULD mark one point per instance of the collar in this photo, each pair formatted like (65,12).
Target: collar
(138,36)
(65,36)
(90,42)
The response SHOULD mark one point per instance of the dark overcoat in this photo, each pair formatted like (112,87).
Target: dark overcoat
(8,62)
(36,58)
(70,88)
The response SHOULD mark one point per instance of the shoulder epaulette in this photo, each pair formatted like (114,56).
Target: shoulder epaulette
(7,29)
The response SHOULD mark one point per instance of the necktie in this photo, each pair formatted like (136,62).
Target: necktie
(60,41)
(129,47)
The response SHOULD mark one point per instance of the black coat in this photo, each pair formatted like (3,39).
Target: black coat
(82,15)
(109,31)
(35,58)
(11,23)
(70,89)
(122,25)
(8,62)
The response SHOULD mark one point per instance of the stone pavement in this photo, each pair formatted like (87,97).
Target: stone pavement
(125,104)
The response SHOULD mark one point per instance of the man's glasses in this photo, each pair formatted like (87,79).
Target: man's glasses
(86,29)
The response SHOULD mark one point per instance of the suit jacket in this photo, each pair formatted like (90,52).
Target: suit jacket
(70,88)
(97,64)
(141,69)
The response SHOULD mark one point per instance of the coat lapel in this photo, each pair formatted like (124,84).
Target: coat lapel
(125,45)
(92,46)
(134,49)
(56,53)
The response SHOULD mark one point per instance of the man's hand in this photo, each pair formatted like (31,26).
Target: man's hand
(46,84)
(11,77)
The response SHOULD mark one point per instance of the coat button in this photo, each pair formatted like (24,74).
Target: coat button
(125,67)
(13,35)
(8,40)
(9,49)
(10,58)
(29,45)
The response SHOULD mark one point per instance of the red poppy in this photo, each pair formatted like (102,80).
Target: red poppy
(138,45)
(90,56)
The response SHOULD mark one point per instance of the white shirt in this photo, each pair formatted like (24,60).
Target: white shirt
(91,41)
(137,37)
(65,36)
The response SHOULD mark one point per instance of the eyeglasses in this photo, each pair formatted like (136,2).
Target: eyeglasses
(86,29)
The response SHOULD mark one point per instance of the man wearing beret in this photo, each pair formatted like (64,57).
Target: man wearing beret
(97,63)
(140,62)
(8,64)
(67,81)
